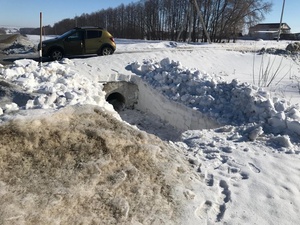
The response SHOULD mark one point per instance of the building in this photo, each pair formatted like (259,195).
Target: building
(268,31)
(290,36)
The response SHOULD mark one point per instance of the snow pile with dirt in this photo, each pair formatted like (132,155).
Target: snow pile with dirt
(17,44)
(81,165)
(17,48)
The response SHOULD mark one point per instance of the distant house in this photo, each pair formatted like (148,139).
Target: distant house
(268,31)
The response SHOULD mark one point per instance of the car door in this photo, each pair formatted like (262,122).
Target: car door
(73,44)
(93,41)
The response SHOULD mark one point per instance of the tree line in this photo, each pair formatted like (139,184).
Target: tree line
(176,20)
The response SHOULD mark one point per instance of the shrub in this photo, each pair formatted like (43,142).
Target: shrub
(293,47)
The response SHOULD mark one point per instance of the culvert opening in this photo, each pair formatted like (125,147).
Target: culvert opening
(117,100)
(153,112)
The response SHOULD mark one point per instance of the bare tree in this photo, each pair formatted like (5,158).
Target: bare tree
(217,20)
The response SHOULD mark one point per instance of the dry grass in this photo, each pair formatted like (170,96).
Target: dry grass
(81,167)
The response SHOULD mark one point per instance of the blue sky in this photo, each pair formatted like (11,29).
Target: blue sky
(26,13)
(290,16)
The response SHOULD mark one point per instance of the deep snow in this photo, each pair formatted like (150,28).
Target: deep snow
(241,140)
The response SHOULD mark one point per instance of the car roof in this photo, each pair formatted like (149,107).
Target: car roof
(88,27)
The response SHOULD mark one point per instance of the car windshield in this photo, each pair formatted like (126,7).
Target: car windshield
(66,34)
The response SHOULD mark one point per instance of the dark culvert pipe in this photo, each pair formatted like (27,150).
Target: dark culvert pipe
(117,100)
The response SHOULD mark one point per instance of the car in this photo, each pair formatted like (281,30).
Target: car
(79,41)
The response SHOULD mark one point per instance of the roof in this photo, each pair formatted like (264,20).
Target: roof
(89,27)
(272,25)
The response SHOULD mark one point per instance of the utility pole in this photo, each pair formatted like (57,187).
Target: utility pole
(280,24)
(41,34)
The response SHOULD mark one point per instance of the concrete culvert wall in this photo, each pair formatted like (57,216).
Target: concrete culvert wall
(141,96)
(179,116)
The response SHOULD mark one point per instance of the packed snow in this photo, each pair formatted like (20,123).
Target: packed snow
(229,113)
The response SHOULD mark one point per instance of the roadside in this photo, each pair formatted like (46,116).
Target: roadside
(5,41)
(14,47)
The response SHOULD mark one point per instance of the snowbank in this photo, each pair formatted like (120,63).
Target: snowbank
(229,103)
(54,85)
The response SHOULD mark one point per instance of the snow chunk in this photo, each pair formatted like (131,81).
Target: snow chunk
(255,133)
(55,85)
(11,107)
(282,141)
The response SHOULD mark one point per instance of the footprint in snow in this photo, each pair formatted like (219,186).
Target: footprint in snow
(227,197)
(202,211)
(254,168)
(223,184)
(209,180)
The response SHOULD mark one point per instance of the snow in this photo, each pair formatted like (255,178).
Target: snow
(237,142)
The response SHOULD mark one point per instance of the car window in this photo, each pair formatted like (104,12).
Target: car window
(93,34)
(75,36)
(66,34)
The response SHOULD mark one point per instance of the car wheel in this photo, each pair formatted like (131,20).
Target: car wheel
(106,51)
(56,54)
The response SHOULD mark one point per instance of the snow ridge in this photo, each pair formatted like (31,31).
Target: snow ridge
(229,103)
